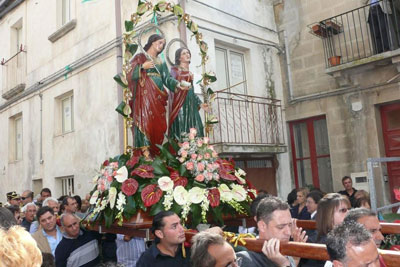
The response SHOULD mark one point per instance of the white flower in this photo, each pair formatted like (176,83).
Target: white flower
(181,196)
(94,197)
(239,173)
(238,192)
(94,179)
(112,195)
(225,193)
(196,195)
(122,174)
(121,200)
(165,183)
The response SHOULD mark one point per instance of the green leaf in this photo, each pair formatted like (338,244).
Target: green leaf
(176,208)
(142,8)
(120,108)
(174,144)
(196,214)
(156,208)
(178,11)
(132,48)
(118,79)
(161,6)
(168,156)
(183,171)
(217,215)
(122,159)
(128,25)
(201,185)
(159,167)
(130,207)
(108,217)
(211,78)
(210,91)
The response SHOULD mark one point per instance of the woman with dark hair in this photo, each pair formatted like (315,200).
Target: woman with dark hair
(184,105)
(146,80)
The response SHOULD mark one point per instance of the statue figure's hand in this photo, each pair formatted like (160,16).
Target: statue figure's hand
(148,65)
(205,107)
(186,88)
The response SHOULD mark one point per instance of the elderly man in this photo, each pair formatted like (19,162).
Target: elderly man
(350,244)
(370,221)
(26,197)
(48,202)
(275,225)
(78,247)
(48,237)
(210,249)
(30,212)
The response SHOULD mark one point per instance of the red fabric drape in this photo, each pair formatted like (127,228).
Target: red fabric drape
(178,98)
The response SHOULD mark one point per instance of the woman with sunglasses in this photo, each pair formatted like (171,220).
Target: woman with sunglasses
(331,211)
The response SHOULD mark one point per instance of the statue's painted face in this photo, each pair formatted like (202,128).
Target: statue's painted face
(159,45)
(185,56)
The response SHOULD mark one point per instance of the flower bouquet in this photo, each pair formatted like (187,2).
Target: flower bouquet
(187,177)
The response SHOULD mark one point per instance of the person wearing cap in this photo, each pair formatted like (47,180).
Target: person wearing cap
(13,199)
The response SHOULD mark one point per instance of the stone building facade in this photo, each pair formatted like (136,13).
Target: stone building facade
(57,116)
(340,114)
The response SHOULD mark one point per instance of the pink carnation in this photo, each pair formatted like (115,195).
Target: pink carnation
(206,140)
(191,136)
(193,156)
(199,178)
(199,157)
(199,143)
(200,167)
(209,167)
(184,153)
(193,131)
(207,155)
(185,145)
(190,165)
(214,154)
(209,176)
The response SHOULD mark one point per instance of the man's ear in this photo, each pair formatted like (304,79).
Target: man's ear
(159,234)
(337,263)
(262,226)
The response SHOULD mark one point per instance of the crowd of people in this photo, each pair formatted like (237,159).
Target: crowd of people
(47,232)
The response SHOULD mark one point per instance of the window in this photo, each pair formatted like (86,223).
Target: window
(16,136)
(65,11)
(16,37)
(231,70)
(67,185)
(310,153)
(67,111)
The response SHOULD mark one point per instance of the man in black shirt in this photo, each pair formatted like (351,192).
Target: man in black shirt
(349,190)
(167,250)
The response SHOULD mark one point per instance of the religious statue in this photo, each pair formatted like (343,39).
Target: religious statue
(184,105)
(146,81)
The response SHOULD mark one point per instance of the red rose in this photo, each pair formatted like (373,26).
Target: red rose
(129,186)
(151,194)
(213,197)
(144,171)
(105,163)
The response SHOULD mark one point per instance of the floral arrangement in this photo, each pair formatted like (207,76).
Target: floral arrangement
(193,182)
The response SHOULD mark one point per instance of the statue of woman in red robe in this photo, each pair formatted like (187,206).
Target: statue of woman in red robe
(146,81)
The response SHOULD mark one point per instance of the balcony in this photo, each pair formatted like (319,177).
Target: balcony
(248,125)
(366,35)
(14,74)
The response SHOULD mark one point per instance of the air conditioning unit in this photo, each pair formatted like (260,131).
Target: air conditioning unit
(360,180)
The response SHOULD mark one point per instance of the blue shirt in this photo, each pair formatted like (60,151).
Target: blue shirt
(128,252)
(53,242)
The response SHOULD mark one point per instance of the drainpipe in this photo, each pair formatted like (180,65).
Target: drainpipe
(288,69)
(41,128)
(118,33)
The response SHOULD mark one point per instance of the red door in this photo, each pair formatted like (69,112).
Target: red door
(391,133)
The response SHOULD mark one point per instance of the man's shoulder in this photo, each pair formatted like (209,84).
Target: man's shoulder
(251,258)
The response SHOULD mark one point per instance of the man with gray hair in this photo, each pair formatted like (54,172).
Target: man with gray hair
(370,221)
(275,225)
(350,244)
(30,212)
(209,249)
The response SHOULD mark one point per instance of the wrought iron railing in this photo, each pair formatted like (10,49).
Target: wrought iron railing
(245,119)
(14,70)
(360,33)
